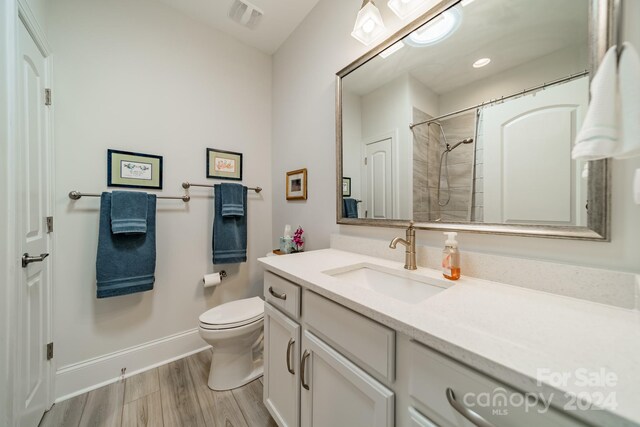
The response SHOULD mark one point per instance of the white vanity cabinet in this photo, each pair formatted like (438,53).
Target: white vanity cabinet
(336,392)
(328,366)
(281,373)
(328,381)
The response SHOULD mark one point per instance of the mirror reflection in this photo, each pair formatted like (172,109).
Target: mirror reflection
(471,118)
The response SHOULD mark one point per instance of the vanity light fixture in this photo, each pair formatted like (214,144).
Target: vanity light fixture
(391,49)
(436,30)
(369,25)
(481,62)
(404,8)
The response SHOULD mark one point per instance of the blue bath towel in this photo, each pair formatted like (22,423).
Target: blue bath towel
(232,199)
(350,207)
(128,212)
(229,232)
(126,263)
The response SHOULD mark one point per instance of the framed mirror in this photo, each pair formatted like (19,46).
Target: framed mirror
(465,120)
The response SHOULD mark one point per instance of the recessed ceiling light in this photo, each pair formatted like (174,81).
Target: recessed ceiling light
(392,49)
(481,62)
(436,30)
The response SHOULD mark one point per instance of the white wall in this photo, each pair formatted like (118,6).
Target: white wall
(303,108)
(423,98)
(304,70)
(386,111)
(137,75)
(352,141)
(546,68)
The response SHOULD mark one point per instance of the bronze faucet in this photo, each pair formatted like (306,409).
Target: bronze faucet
(410,245)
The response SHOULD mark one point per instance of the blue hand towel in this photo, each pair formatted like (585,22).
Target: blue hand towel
(229,232)
(128,212)
(350,208)
(126,263)
(233,201)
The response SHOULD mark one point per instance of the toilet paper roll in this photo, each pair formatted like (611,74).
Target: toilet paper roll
(211,280)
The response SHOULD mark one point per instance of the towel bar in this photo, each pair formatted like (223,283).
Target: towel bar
(186,185)
(75,195)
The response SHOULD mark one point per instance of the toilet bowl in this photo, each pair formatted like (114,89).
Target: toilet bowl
(235,332)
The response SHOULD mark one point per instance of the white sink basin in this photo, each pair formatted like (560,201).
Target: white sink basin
(403,285)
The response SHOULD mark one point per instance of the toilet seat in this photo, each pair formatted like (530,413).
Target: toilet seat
(233,314)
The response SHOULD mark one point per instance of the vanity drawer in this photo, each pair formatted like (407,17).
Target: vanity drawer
(432,374)
(282,293)
(367,343)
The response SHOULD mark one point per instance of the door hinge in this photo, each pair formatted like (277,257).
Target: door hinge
(365,161)
(49,224)
(47,97)
(50,351)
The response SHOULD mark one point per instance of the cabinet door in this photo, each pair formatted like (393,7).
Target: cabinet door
(281,373)
(335,392)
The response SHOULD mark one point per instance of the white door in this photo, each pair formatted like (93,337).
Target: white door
(33,208)
(335,392)
(379,203)
(281,369)
(529,176)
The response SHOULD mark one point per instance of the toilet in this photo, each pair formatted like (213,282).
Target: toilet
(235,331)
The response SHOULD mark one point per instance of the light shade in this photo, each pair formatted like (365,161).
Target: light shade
(404,8)
(369,25)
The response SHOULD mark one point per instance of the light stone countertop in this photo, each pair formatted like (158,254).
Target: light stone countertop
(504,331)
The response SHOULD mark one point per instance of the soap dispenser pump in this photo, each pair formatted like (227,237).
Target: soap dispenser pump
(451,257)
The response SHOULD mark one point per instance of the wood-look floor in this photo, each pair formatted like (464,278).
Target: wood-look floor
(173,395)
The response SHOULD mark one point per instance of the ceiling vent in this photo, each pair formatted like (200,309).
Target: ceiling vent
(245,14)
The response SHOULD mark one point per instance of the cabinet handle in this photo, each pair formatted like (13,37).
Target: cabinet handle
(475,419)
(289,347)
(282,296)
(303,368)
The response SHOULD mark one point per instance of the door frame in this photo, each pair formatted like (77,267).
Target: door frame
(14,14)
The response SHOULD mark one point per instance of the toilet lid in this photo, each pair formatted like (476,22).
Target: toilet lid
(234,313)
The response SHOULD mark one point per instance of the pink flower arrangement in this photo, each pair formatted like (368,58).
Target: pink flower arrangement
(297,238)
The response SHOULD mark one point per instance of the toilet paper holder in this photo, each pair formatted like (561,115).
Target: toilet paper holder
(223,274)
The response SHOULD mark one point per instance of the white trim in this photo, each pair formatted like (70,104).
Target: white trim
(31,23)
(78,378)
(8,298)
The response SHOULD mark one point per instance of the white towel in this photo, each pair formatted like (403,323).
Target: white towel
(598,138)
(629,74)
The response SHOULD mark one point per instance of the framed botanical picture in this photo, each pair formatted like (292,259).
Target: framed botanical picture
(297,185)
(224,164)
(346,187)
(133,170)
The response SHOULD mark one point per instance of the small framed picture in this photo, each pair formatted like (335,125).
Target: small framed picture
(297,185)
(346,187)
(224,164)
(133,170)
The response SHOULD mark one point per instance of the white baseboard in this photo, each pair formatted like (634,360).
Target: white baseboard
(81,377)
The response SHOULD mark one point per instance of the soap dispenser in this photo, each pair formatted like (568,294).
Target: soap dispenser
(451,257)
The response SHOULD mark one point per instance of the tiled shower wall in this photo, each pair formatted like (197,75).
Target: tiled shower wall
(428,148)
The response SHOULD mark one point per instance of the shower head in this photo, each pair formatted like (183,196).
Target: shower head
(454,146)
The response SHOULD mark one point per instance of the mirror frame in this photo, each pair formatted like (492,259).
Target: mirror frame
(604,30)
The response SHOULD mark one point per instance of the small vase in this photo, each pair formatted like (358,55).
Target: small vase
(296,248)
